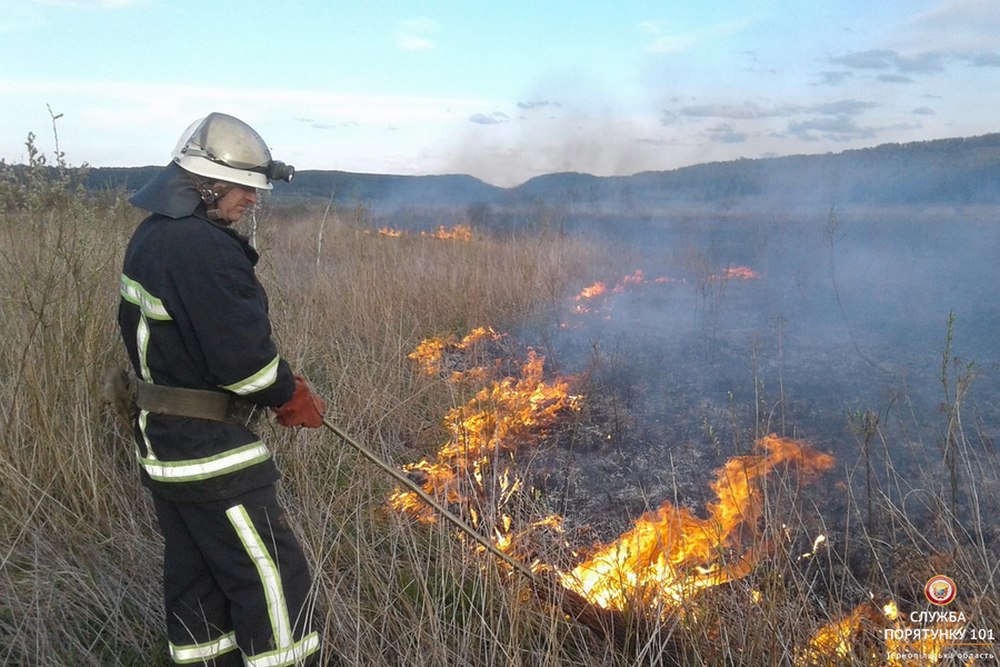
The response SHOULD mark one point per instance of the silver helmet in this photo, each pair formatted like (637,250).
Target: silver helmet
(214,148)
(224,148)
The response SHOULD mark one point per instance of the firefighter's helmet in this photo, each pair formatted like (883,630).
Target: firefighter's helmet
(214,148)
(224,148)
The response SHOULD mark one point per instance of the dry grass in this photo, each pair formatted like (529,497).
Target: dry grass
(79,551)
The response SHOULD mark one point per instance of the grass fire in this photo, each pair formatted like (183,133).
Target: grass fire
(660,565)
(457,232)
(671,554)
(713,437)
(500,418)
(663,561)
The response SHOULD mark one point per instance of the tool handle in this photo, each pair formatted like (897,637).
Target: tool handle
(455,520)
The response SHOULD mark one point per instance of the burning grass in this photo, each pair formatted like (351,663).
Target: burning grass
(506,415)
(671,554)
(659,569)
(455,233)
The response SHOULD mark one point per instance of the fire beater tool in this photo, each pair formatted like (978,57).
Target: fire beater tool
(452,518)
(611,625)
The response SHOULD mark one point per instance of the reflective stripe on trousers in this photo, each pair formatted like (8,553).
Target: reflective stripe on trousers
(236,554)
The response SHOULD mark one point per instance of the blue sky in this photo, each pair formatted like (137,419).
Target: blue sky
(502,91)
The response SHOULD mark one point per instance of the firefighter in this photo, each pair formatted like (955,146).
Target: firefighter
(194,321)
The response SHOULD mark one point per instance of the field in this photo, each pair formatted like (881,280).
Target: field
(652,419)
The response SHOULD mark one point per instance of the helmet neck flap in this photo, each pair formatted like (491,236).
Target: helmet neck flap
(172,193)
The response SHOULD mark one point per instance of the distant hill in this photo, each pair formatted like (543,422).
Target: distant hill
(390,191)
(946,171)
(940,172)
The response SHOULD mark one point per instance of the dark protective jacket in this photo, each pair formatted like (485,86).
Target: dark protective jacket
(192,314)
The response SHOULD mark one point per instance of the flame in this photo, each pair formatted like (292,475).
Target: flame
(503,416)
(838,639)
(431,351)
(600,293)
(595,290)
(817,544)
(735,273)
(670,554)
(458,232)
(634,279)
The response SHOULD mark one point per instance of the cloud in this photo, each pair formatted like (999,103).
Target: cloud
(957,12)
(833,78)
(921,62)
(752,110)
(954,27)
(843,107)
(983,59)
(960,15)
(831,121)
(834,128)
(879,59)
(324,125)
(415,34)
(924,111)
(655,141)
(726,134)
(894,78)
(834,121)
(537,104)
(873,59)
(494,118)
(744,111)
(121,102)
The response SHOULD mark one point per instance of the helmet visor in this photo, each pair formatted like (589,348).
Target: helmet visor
(229,141)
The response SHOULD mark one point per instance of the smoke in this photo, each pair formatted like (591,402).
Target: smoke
(507,151)
(567,123)
(846,312)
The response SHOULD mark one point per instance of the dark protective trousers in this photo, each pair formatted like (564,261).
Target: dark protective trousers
(236,584)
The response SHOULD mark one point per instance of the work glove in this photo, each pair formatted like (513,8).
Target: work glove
(304,409)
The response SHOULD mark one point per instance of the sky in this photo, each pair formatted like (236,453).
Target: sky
(502,91)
